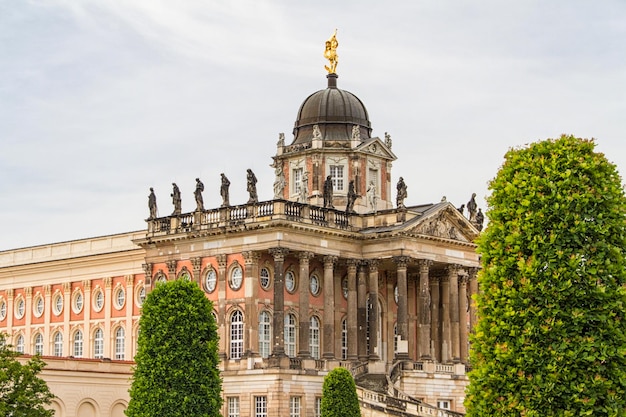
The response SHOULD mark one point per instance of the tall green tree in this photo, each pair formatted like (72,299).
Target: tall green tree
(176,372)
(22,392)
(339,397)
(551,333)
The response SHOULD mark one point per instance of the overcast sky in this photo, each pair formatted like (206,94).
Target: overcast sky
(101,100)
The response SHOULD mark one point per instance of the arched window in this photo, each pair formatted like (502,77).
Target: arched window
(314,338)
(344,339)
(236,335)
(290,335)
(78,344)
(265,334)
(38,344)
(58,344)
(120,342)
(98,344)
(19,344)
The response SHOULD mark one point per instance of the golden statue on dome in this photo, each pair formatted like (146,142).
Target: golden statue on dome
(330,53)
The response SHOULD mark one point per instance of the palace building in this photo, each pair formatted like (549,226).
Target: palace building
(336,270)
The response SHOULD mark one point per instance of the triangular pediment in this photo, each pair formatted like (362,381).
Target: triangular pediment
(443,220)
(375,146)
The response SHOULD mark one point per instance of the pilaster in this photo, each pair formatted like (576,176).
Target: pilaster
(352,319)
(305,323)
(329,307)
(278,322)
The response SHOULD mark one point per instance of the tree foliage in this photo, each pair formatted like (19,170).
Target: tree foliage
(176,372)
(339,397)
(22,392)
(551,334)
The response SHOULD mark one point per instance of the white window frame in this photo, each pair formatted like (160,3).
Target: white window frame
(314,337)
(19,344)
(294,406)
(3,309)
(315,285)
(57,304)
(20,308)
(77,342)
(260,406)
(38,345)
(78,302)
(38,306)
(344,339)
(290,334)
(235,277)
(58,343)
(338,177)
(98,300)
(265,275)
(233,406)
(98,343)
(120,344)
(119,297)
(236,334)
(444,404)
(291,282)
(296,175)
(210,280)
(265,334)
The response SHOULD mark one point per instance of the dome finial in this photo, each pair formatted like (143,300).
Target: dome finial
(330,53)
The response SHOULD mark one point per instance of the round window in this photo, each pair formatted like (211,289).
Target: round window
(344,288)
(290,281)
(98,300)
(58,304)
(210,280)
(3,310)
(265,278)
(120,297)
(185,275)
(141,295)
(78,302)
(314,284)
(395,293)
(38,307)
(20,307)
(236,278)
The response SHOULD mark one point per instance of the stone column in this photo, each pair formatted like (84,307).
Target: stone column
(278,322)
(463,318)
(473,292)
(47,291)
(222,324)
(435,329)
(197,270)
(107,318)
(305,323)
(446,334)
(361,311)
(423,311)
(403,319)
(147,280)
(329,307)
(28,314)
(11,310)
(351,321)
(455,332)
(373,303)
(251,289)
(87,319)
(171,269)
(128,306)
(67,305)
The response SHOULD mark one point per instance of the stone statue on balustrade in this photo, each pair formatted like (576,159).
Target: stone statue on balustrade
(480,218)
(351,198)
(471,208)
(328,192)
(251,186)
(176,200)
(224,190)
(152,204)
(402,194)
(198,195)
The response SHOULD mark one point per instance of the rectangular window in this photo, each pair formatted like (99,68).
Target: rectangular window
(260,406)
(233,406)
(444,404)
(296,180)
(294,407)
(318,406)
(336,174)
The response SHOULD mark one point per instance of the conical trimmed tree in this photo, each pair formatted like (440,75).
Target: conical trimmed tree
(551,333)
(177,371)
(339,397)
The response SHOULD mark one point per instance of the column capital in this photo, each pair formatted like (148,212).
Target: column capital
(352,264)
(28,291)
(107,282)
(67,287)
(463,279)
(305,256)
(10,293)
(472,272)
(373,264)
(329,261)
(129,280)
(251,257)
(221,261)
(147,269)
(87,285)
(453,268)
(402,261)
(47,289)
(278,253)
(171,267)
(424,264)
(196,263)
